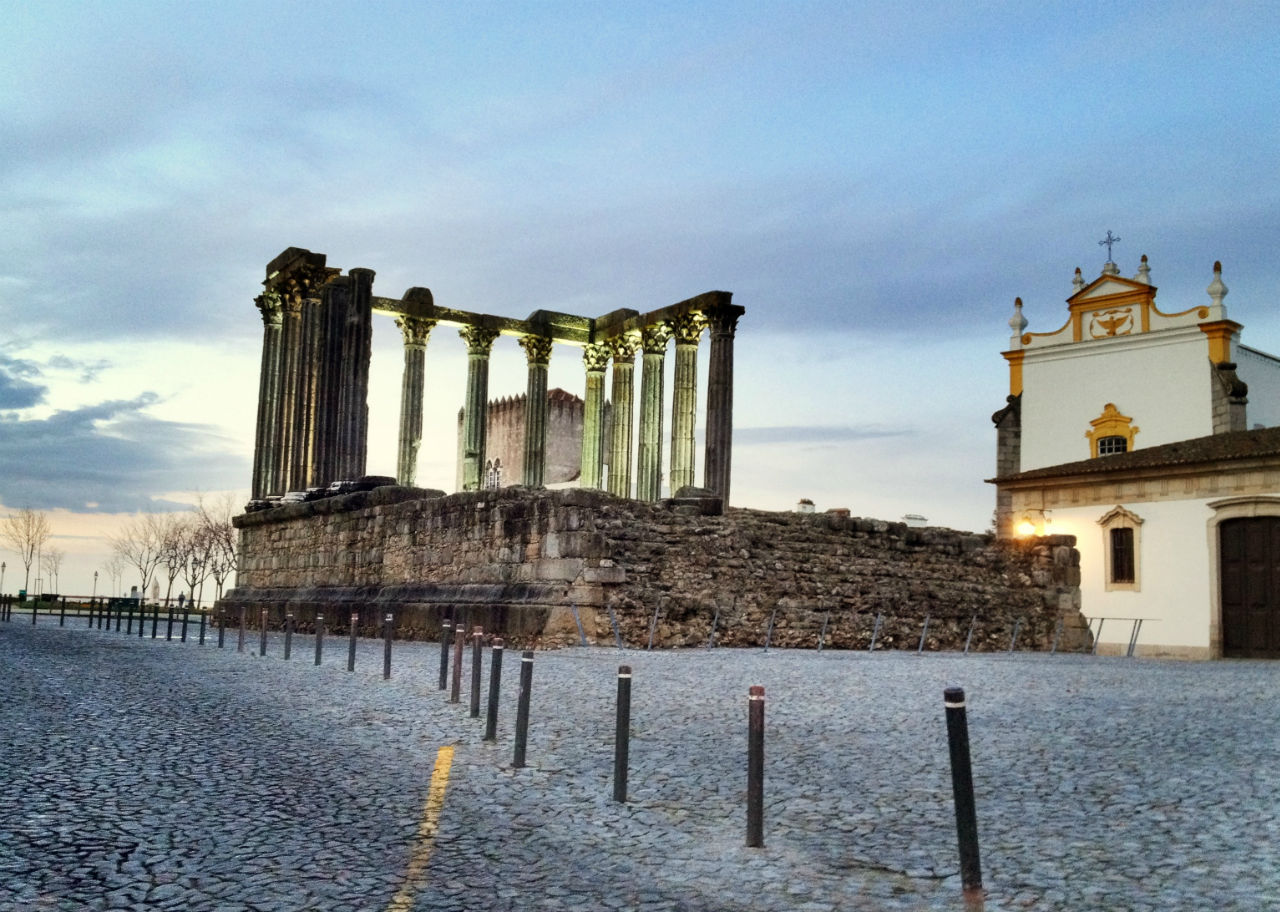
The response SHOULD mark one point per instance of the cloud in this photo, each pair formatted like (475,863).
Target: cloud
(813,434)
(16,390)
(110,458)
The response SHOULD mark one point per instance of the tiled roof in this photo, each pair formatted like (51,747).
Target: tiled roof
(1236,445)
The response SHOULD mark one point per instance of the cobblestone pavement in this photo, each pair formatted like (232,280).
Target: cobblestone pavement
(142,774)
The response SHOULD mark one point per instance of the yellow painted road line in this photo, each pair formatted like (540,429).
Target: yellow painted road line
(426,837)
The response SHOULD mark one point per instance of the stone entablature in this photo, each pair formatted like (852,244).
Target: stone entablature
(313,391)
(519,559)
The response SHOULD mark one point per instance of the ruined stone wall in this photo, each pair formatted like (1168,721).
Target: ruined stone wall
(515,560)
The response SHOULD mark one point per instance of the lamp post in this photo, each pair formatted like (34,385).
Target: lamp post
(95,583)
(2,566)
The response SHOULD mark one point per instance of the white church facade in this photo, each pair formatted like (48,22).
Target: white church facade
(1150,435)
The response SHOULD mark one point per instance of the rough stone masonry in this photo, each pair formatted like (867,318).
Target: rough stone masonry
(519,561)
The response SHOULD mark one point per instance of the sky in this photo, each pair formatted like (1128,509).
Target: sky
(874,182)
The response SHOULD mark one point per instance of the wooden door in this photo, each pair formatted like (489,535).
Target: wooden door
(1250,575)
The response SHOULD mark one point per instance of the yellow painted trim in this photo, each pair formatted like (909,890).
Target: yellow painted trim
(427,829)
(1220,333)
(1015,359)
(1111,424)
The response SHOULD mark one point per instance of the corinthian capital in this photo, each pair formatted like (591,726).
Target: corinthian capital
(269,304)
(687,328)
(416,330)
(595,357)
(655,337)
(624,347)
(479,339)
(537,349)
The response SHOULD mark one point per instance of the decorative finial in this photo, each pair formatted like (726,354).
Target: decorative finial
(1144,272)
(1217,290)
(1017,323)
(1078,281)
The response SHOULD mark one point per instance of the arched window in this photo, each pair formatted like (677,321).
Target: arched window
(1111,433)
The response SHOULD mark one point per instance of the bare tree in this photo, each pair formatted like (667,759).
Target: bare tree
(222,539)
(138,545)
(115,570)
(25,532)
(51,563)
(175,547)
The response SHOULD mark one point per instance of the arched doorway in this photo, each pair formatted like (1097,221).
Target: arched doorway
(1249,574)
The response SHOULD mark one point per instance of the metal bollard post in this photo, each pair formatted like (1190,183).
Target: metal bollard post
(388,629)
(622,735)
(288,636)
(186,616)
(962,788)
(155,619)
(875,632)
(142,621)
(128,625)
(755,767)
(495,679)
(4,608)
(203,614)
(459,636)
(62,613)
(522,708)
(222,627)
(104,614)
(477,647)
(168,635)
(446,630)
(923,633)
(262,635)
(35,609)
(319,636)
(351,641)
(240,641)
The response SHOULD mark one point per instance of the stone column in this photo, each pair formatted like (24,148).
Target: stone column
(687,330)
(537,350)
(649,460)
(291,306)
(479,343)
(624,350)
(357,351)
(416,331)
(595,358)
(267,438)
(305,444)
(722,319)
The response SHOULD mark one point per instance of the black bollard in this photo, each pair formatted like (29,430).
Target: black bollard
(262,636)
(455,693)
(319,636)
(202,622)
(495,679)
(446,629)
(128,624)
(222,627)
(522,708)
(142,621)
(477,647)
(353,627)
(186,616)
(288,636)
(962,787)
(388,628)
(93,610)
(62,613)
(240,641)
(168,635)
(155,619)
(35,609)
(622,735)
(104,616)
(755,767)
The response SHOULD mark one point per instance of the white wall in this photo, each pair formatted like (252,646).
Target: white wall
(1262,372)
(1173,573)
(1160,381)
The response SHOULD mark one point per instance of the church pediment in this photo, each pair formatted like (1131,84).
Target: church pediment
(1109,286)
